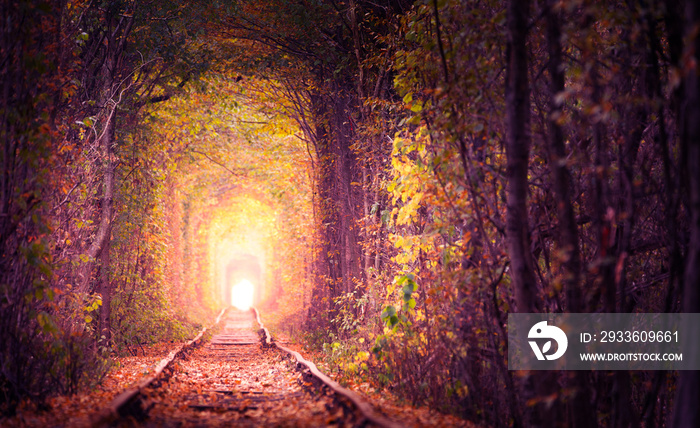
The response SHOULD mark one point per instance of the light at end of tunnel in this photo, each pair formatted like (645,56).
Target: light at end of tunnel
(242,295)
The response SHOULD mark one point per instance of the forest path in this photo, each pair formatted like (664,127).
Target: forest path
(233,380)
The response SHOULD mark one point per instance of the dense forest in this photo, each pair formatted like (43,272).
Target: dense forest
(399,176)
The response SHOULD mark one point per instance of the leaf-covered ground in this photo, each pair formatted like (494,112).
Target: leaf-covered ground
(384,401)
(242,385)
(75,410)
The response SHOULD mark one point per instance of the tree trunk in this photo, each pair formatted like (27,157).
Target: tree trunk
(103,229)
(536,387)
(105,330)
(580,413)
(107,104)
(328,217)
(561,179)
(367,257)
(686,412)
(517,153)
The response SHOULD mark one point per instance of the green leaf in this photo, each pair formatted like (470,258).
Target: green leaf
(408,290)
(410,277)
(393,320)
(389,316)
(409,286)
(388,312)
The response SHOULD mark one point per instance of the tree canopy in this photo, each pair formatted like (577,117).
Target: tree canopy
(400,174)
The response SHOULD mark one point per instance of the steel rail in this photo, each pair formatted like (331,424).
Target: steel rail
(360,404)
(121,403)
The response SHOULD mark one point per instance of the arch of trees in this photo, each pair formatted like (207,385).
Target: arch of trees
(426,168)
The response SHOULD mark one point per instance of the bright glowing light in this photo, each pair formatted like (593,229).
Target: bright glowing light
(242,295)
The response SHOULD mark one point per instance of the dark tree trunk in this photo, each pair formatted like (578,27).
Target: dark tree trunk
(561,179)
(538,386)
(330,274)
(686,412)
(580,413)
(517,153)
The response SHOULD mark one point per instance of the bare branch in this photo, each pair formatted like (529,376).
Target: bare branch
(235,174)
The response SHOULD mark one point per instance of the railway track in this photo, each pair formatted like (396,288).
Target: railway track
(240,377)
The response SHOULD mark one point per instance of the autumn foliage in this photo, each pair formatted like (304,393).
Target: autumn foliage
(398,175)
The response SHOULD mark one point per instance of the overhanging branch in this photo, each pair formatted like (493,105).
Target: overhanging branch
(235,174)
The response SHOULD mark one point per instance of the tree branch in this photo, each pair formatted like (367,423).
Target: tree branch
(235,174)
(67,196)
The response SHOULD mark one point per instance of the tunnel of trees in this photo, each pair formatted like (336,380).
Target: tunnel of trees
(244,267)
(404,173)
